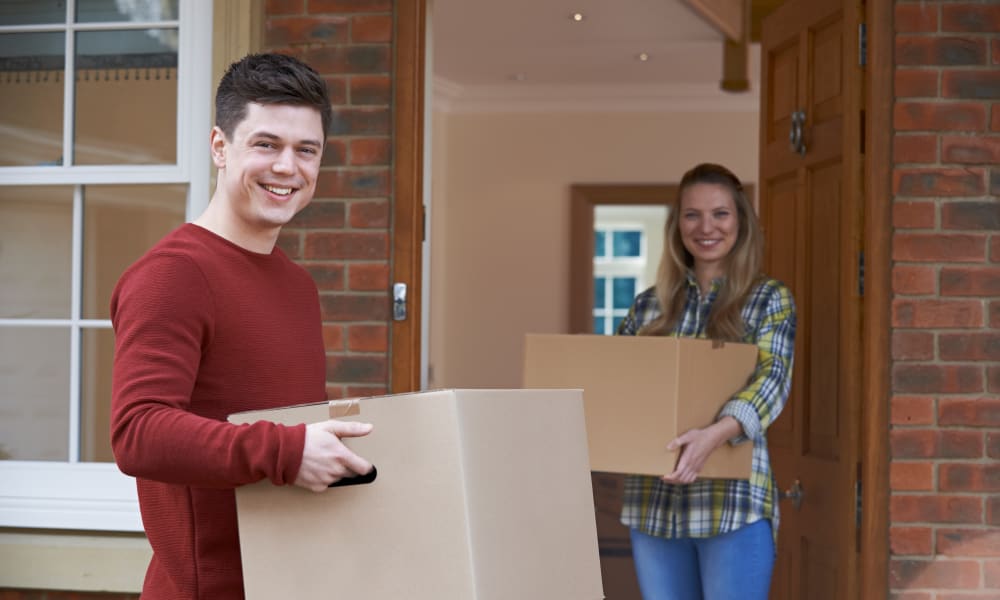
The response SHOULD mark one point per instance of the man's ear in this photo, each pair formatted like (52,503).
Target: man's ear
(218,146)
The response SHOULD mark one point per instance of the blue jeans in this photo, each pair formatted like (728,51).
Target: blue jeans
(731,566)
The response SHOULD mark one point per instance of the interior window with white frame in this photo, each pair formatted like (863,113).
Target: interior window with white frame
(628,241)
(104,106)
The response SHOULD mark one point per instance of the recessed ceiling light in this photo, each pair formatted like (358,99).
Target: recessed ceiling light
(642,57)
(518,77)
(577,16)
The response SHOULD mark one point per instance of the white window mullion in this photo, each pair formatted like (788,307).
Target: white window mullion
(194,91)
(69,85)
(76,289)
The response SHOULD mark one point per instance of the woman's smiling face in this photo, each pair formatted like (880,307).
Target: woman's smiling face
(709,226)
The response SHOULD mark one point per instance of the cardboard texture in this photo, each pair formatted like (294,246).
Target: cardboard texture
(641,392)
(480,495)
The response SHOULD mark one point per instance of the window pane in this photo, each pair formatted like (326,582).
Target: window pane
(31,98)
(91,11)
(623,291)
(32,13)
(600,238)
(36,225)
(97,352)
(120,223)
(34,388)
(599,292)
(616,322)
(627,243)
(599,325)
(140,66)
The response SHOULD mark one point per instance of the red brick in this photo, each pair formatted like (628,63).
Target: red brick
(935,247)
(915,149)
(290,242)
(325,214)
(347,6)
(354,307)
(991,570)
(910,378)
(357,369)
(971,85)
(939,182)
(995,110)
(353,183)
(371,90)
(370,215)
(993,379)
(942,51)
(970,281)
(347,245)
(371,151)
(369,121)
(913,280)
(969,477)
(937,573)
(911,541)
(910,508)
(970,347)
(368,277)
(914,215)
(334,391)
(995,315)
(934,314)
(930,443)
(993,447)
(911,477)
(909,595)
(336,88)
(976,18)
(995,248)
(971,215)
(916,83)
(334,153)
(912,410)
(344,60)
(993,510)
(368,338)
(939,116)
(367,29)
(284,7)
(966,596)
(971,150)
(912,345)
(328,276)
(916,18)
(969,412)
(288,31)
(333,337)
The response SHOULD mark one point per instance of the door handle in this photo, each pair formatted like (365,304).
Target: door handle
(399,302)
(795,136)
(794,493)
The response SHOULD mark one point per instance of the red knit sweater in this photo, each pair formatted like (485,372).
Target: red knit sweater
(203,329)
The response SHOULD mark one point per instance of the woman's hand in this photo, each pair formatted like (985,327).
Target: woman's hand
(696,445)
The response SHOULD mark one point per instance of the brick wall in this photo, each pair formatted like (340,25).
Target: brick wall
(343,238)
(945,438)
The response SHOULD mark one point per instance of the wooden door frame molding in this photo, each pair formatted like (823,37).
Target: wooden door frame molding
(874,576)
(407,207)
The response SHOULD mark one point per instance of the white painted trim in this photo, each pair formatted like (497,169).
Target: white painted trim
(450,97)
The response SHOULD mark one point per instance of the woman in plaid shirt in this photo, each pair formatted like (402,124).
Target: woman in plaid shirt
(695,539)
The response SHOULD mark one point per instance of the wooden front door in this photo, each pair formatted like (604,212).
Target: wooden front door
(810,201)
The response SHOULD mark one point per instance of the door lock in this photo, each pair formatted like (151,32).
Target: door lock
(794,493)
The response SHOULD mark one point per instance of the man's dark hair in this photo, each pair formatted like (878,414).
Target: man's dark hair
(269,79)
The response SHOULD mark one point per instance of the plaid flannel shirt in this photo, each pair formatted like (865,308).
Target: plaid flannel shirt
(711,507)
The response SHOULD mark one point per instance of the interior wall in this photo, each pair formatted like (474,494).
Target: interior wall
(500,229)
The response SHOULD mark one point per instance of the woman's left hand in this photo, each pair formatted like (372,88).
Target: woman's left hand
(696,445)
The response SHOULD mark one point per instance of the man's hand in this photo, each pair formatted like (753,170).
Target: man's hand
(325,459)
(696,445)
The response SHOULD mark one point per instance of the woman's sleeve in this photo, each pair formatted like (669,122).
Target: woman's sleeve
(760,403)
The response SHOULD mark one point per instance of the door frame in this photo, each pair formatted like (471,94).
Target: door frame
(405,357)
(874,534)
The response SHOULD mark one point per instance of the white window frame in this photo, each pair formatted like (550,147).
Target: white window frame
(97,496)
(611,267)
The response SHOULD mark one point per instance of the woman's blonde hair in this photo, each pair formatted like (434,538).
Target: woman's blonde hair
(741,268)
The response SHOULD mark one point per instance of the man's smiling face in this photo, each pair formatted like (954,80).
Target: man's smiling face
(268,170)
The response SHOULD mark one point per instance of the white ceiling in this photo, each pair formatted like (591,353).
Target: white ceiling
(507,51)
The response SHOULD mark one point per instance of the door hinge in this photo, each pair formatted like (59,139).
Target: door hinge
(861,273)
(862,44)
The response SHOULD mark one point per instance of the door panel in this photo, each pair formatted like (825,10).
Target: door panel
(809,198)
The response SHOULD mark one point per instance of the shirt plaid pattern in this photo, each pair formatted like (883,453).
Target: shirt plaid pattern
(711,507)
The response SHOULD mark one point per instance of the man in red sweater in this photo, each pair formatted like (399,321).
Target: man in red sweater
(215,319)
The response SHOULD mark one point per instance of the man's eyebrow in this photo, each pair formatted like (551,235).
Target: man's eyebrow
(271,136)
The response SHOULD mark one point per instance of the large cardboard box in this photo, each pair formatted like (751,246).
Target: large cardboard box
(479,495)
(641,392)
